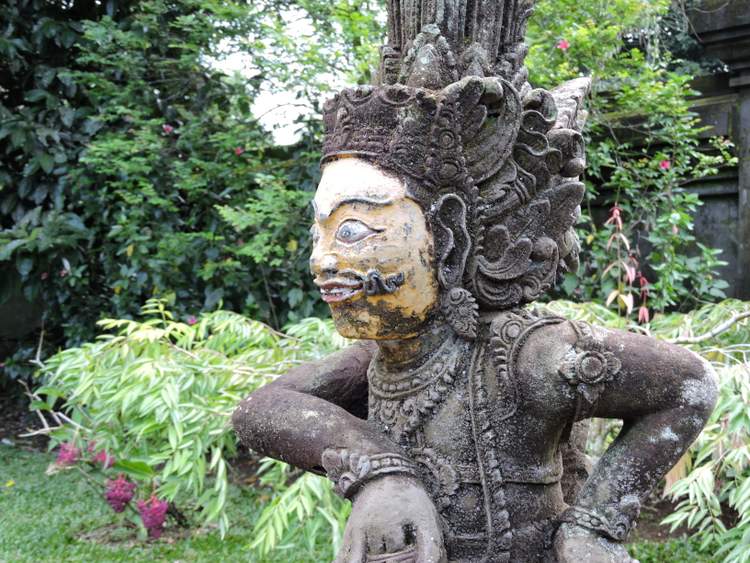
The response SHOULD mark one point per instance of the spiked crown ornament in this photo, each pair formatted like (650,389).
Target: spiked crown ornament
(453,115)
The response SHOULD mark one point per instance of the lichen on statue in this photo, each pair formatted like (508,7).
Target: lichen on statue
(456,424)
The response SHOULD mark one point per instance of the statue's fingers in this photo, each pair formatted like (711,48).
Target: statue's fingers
(430,546)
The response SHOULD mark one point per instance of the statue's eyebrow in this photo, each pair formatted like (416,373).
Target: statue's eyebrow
(354,199)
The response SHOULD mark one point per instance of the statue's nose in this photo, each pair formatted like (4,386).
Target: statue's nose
(324,263)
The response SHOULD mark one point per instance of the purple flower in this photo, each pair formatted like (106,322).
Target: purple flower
(119,493)
(153,513)
(191,320)
(67,455)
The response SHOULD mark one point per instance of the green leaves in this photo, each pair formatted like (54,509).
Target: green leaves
(158,393)
(642,148)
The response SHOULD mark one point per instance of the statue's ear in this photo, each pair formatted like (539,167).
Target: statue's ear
(452,242)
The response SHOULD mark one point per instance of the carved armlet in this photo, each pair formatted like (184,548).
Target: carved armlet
(613,521)
(349,471)
(588,367)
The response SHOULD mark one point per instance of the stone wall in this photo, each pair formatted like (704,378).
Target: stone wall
(723,27)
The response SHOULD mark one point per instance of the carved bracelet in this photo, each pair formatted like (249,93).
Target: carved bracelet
(349,471)
(615,521)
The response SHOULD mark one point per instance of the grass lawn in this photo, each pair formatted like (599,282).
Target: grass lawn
(59,518)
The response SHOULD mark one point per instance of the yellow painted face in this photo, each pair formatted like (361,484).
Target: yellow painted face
(372,253)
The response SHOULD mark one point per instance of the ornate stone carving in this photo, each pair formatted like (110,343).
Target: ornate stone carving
(461,312)
(464,421)
(588,365)
(614,521)
(400,401)
(350,470)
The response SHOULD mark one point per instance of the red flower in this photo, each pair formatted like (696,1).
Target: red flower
(191,320)
(67,455)
(665,164)
(238,150)
(563,45)
(614,217)
(643,314)
(167,128)
(119,493)
(153,513)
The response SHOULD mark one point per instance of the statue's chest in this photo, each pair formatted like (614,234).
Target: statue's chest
(428,414)
(424,407)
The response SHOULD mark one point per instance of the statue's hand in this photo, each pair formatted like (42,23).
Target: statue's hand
(393,519)
(574,544)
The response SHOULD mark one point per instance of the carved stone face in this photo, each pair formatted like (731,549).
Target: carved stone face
(372,253)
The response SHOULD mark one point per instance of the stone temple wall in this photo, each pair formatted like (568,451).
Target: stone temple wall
(723,27)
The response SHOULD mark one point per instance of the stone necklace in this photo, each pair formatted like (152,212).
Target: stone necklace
(401,400)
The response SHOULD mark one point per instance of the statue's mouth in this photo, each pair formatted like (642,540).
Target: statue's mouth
(337,290)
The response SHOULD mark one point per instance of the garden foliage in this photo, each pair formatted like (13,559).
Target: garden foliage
(124,152)
(156,395)
(134,167)
(151,399)
(643,149)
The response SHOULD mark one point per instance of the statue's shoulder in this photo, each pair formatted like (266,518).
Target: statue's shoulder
(511,329)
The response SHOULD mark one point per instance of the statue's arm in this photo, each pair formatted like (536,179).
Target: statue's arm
(663,393)
(314,407)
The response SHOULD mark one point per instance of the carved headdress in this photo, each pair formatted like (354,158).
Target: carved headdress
(494,162)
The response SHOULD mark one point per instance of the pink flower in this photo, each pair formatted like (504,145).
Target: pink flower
(643,314)
(191,320)
(615,217)
(64,273)
(167,128)
(104,458)
(665,164)
(153,513)
(67,455)
(44,275)
(119,493)
(563,45)
(238,150)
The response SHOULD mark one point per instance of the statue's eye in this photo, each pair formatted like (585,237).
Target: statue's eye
(352,230)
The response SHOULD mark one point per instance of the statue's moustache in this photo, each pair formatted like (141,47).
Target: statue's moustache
(375,283)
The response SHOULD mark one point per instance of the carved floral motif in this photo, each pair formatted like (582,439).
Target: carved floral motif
(589,365)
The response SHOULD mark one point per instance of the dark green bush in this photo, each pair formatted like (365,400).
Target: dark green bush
(125,151)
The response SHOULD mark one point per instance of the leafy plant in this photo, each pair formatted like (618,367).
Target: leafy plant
(157,394)
(642,150)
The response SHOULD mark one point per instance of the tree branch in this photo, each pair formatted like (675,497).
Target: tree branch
(716,331)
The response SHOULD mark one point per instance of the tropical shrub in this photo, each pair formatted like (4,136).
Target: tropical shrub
(151,400)
(124,148)
(643,149)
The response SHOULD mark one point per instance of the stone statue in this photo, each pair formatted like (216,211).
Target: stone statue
(456,425)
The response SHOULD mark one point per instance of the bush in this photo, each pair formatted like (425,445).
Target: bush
(152,401)
(155,397)
(124,150)
(643,147)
